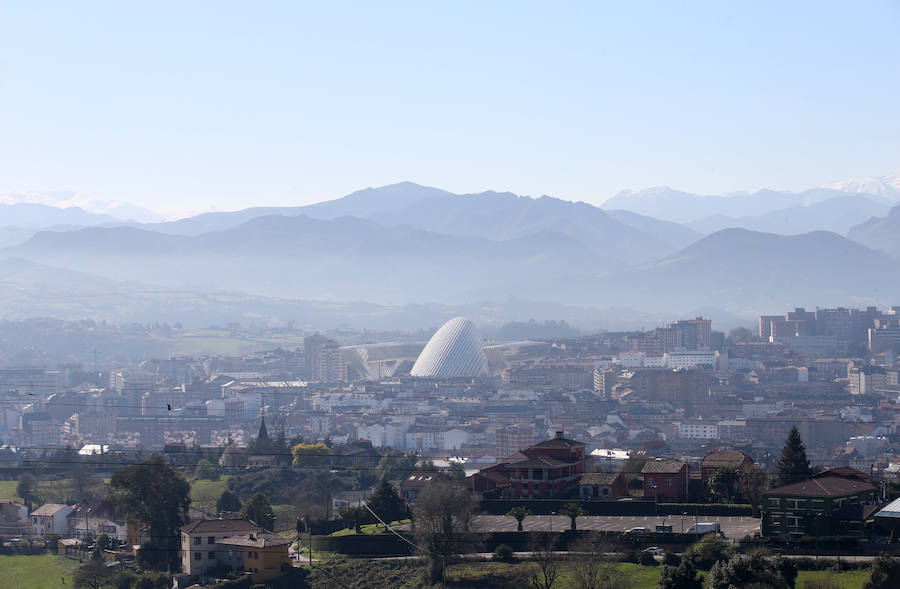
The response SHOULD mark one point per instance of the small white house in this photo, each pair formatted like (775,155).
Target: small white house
(50,517)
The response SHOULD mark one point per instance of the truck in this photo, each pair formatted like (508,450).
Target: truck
(705,528)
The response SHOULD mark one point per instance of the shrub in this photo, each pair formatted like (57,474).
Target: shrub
(671,559)
(503,553)
(646,559)
(708,551)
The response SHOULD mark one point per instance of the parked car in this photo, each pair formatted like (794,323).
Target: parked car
(654,550)
(638,531)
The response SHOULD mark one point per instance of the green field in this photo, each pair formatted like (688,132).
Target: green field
(56,491)
(359,573)
(35,572)
(845,580)
(205,493)
(230,343)
(8,491)
(369,528)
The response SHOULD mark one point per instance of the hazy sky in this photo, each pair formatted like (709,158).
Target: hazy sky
(188,105)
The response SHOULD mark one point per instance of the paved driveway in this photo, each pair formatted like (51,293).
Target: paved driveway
(734,527)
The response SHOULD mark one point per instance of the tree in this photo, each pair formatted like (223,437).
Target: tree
(793,466)
(572,511)
(386,503)
(259,511)
(228,502)
(723,481)
(519,513)
(746,570)
(456,471)
(591,566)
(753,483)
(93,574)
(885,572)
(353,514)
(443,513)
(709,550)
(311,455)
(154,493)
(27,488)
(548,561)
(740,334)
(684,576)
(206,470)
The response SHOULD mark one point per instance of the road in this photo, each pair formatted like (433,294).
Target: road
(734,527)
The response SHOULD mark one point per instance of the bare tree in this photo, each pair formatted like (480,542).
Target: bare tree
(592,566)
(548,563)
(443,514)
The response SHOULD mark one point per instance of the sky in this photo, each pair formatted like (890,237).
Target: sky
(189,106)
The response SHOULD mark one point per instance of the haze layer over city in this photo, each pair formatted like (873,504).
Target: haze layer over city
(409,295)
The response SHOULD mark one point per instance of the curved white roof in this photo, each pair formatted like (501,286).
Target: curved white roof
(454,350)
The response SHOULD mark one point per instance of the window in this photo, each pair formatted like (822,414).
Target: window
(211,540)
(198,556)
(773,502)
(211,555)
(776,520)
(669,482)
(197,540)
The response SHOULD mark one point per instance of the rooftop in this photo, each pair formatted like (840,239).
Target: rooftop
(260,540)
(723,458)
(221,526)
(827,486)
(49,509)
(663,467)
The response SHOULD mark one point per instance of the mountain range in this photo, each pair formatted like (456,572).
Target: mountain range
(403,244)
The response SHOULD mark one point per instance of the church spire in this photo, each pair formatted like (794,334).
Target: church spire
(263,433)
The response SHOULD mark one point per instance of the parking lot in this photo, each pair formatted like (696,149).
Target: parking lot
(732,526)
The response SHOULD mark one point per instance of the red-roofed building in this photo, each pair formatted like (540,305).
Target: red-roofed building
(551,468)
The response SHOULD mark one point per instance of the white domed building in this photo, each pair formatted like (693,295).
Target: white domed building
(455,350)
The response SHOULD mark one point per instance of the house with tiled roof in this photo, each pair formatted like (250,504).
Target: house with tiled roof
(201,550)
(603,485)
(264,554)
(666,480)
(50,518)
(721,459)
(827,505)
(550,468)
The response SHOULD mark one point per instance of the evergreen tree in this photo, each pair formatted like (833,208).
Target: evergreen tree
(259,511)
(155,493)
(228,501)
(386,502)
(793,466)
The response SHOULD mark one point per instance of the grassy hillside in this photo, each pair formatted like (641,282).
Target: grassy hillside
(36,572)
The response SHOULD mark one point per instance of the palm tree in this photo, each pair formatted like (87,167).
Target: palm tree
(572,511)
(520,513)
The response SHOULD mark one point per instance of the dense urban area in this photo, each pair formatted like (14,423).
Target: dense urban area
(409,451)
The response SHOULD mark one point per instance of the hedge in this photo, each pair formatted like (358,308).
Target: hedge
(595,507)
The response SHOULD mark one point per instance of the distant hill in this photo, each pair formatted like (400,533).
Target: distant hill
(881,233)
(341,259)
(743,270)
(685,208)
(836,214)
(489,215)
(38,216)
